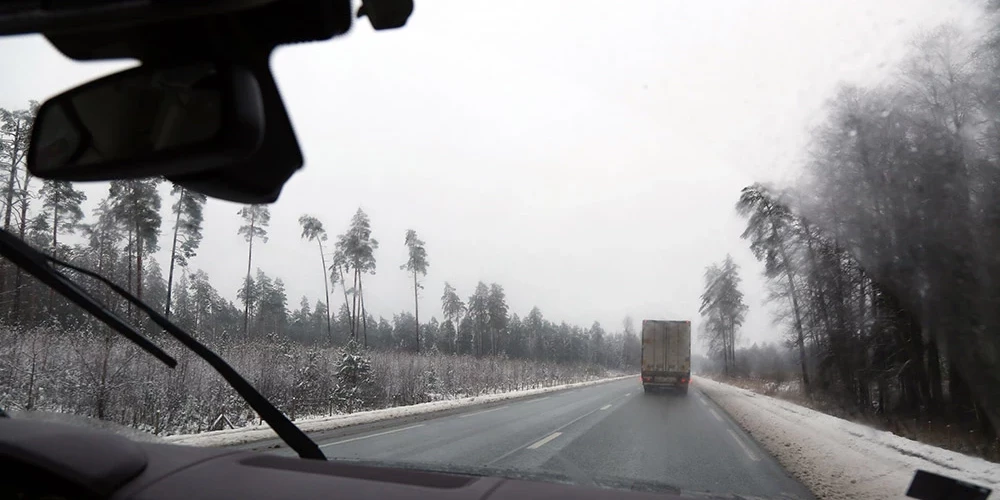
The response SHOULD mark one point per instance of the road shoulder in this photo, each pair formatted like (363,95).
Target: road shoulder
(262,433)
(836,458)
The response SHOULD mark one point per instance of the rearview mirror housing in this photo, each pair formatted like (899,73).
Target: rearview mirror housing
(149,121)
(59,16)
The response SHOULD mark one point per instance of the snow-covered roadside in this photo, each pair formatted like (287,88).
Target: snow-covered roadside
(261,432)
(836,458)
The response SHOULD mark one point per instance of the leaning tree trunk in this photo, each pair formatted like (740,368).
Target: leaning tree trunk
(354,308)
(416,310)
(173,255)
(246,286)
(55,253)
(797,314)
(326,288)
(21,226)
(347,301)
(9,199)
(364,316)
(732,348)
(128,276)
(138,263)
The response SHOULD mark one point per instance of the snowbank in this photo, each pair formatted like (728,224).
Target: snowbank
(840,459)
(261,432)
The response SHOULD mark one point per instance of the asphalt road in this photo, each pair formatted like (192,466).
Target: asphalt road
(611,430)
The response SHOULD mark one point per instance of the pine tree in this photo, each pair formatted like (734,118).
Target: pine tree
(256,218)
(15,135)
(312,230)
(723,309)
(770,230)
(447,337)
(356,253)
(453,309)
(61,204)
(188,215)
(479,314)
(136,204)
(355,390)
(496,308)
(416,264)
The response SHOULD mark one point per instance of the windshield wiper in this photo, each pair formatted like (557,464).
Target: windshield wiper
(40,265)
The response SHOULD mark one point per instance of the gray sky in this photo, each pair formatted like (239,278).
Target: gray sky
(585,155)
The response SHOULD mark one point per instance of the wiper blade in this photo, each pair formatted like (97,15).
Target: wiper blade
(39,265)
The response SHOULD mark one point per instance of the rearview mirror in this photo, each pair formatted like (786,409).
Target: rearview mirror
(149,122)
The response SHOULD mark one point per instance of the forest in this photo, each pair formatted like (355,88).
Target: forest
(883,259)
(322,356)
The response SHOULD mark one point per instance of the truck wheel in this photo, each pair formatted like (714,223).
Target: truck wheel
(645,388)
(684,390)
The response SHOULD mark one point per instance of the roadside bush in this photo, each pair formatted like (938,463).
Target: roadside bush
(103,376)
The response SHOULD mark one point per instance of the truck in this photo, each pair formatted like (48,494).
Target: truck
(666,355)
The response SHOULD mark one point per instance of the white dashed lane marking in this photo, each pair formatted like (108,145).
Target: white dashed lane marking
(342,441)
(546,439)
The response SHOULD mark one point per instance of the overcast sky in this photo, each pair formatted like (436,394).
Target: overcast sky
(585,155)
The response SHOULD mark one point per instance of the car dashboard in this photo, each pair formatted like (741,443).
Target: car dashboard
(52,460)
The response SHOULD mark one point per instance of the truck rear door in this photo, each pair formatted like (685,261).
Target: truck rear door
(678,352)
(654,354)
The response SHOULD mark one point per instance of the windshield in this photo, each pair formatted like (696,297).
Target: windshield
(738,248)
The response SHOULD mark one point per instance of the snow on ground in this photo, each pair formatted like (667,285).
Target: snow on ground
(836,458)
(261,432)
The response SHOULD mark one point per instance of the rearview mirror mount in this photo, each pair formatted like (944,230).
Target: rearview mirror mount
(149,121)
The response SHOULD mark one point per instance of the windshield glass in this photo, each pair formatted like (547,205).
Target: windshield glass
(737,247)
